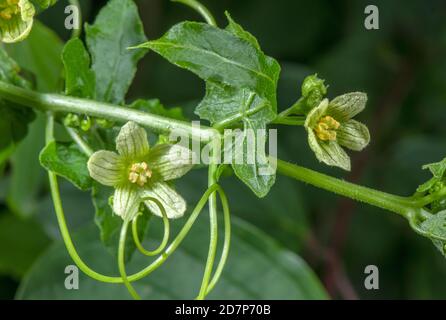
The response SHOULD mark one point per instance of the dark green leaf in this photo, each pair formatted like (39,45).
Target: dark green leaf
(257,268)
(21,242)
(66,160)
(79,78)
(110,224)
(116,28)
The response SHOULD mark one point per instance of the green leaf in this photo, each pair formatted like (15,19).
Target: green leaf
(21,242)
(79,78)
(116,28)
(66,160)
(257,268)
(226,105)
(110,224)
(258,173)
(220,57)
(436,226)
(154,106)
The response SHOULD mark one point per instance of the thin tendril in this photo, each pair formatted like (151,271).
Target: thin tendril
(213,221)
(163,244)
(226,243)
(121,263)
(201,9)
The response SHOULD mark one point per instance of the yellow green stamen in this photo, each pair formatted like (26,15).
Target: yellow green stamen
(140,173)
(326,128)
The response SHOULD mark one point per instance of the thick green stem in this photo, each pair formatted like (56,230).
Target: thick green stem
(401,205)
(64,104)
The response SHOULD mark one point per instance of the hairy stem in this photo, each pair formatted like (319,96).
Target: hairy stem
(393,203)
(64,104)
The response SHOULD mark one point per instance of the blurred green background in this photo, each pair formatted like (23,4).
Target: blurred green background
(402,67)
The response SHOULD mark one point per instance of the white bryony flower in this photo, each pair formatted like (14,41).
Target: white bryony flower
(330,127)
(16,20)
(137,172)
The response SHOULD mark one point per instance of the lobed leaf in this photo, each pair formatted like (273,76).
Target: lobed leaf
(219,56)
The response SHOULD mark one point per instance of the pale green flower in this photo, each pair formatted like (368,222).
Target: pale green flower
(330,127)
(137,172)
(16,20)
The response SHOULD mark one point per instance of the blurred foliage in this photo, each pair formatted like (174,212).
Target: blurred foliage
(402,68)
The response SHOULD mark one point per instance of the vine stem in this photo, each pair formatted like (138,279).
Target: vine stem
(65,104)
(59,103)
(401,205)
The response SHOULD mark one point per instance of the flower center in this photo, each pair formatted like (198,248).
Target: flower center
(326,128)
(140,173)
(8,8)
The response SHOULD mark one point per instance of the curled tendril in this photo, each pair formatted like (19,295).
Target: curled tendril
(165,240)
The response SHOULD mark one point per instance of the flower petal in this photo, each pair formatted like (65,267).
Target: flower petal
(18,25)
(315,114)
(345,107)
(353,135)
(107,168)
(170,161)
(132,141)
(329,152)
(126,202)
(173,203)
